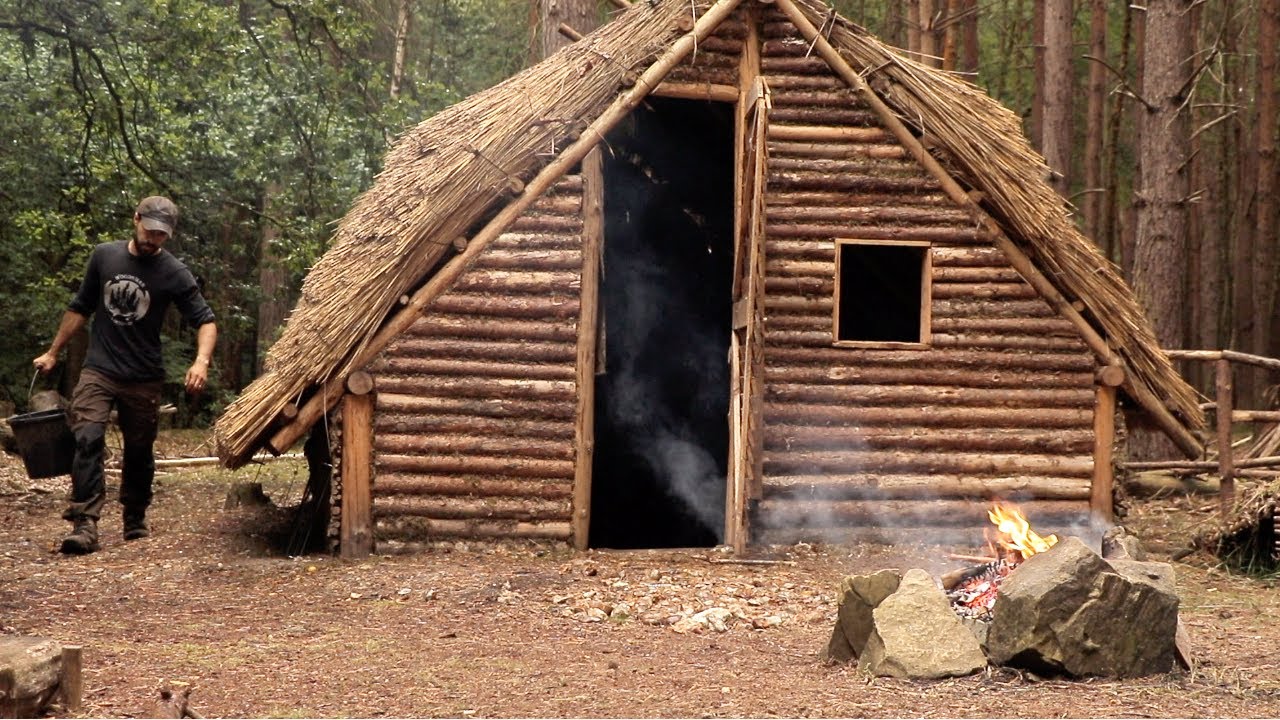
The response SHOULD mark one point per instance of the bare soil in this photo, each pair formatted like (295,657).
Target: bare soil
(469,630)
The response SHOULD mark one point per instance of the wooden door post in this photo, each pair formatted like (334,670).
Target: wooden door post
(1101,505)
(1226,463)
(357,474)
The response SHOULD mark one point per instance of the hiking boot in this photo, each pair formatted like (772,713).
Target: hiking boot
(135,525)
(83,538)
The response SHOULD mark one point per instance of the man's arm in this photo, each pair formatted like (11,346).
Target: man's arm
(71,323)
(198,373)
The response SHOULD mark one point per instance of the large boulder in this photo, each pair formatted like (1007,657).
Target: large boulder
(916,634)
(30,673)
(1068,611)
(859,595)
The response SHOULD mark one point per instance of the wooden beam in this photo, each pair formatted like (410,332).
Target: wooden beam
(584,435)
(357,475)
(1214,355)
(567,31)
(71,678)
(327,395)
(697,91)
(1181,436)
(1226,468)
(1101,504)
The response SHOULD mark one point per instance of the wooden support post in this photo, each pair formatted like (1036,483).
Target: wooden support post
(357,475)
(1101,505)
(588,337)
(1226,463)
(1144,396)
(71,678)
(328,393)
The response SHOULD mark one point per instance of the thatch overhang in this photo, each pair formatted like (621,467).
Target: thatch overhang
(454,170)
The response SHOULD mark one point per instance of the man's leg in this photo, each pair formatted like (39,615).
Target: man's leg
(139,407)
(89,413)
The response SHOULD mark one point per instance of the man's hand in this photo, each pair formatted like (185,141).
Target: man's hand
(197,376)
(45,362)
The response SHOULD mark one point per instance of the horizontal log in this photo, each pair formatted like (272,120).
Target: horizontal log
(789,65)
(565,224)
(962,307)
(1233,355)
(970,274)
(913,359)
(840,198)
(1263,416)
(828,133)
(564,204)
(529,259)
(811,115)
(457,508)
(516,243)
(723,44)
(418,529)
(928,539)
(784,81)
(1051,326)
(523,307)
(800,294)
(858,166)
(386,421)
(968,257)
(397,402)
(932,486)
(697,91)
(498,349)
(836,151)
(873,215)
(479,328)
(928,416)
(869,373)
(482,388)
(788,462)
(475,465)
(1147,484)
(1000,342)
(934,233)
(1019,290)
(410,484)
(516,368)
(780,437)
(470,444)
(535,282)
(1045,516)
(886,395)
(812,98)
(717,73)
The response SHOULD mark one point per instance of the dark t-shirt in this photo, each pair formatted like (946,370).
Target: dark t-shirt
(127,297)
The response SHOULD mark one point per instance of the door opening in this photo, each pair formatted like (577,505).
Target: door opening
(661,412)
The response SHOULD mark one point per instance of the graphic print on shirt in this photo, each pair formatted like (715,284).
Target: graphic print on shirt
(126,299)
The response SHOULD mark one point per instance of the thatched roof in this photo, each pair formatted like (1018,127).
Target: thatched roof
(455,168)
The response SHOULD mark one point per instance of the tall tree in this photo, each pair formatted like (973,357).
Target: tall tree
(1268,183)
(1160,252)
(580,15)
(1059,79)
(1093,199)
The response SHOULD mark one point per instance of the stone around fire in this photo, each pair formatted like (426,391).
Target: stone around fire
(1068,611)
(917,635)
(859,595)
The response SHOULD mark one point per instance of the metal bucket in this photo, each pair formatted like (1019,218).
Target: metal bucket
(45,442)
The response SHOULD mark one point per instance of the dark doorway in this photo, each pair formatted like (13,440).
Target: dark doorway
(662,430)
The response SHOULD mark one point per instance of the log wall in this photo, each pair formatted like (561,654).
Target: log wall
(894,444)
(474,428)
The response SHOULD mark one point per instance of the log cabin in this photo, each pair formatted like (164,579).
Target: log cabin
(728,272)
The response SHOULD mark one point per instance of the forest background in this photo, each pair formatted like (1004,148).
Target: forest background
(264,119)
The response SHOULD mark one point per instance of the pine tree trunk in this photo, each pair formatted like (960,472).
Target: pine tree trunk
(581,15)
(969,52)
(1093,200)
(1038,70)
(273,306)
(1268,207)
(1059,82)
(404,15)
(1164,131)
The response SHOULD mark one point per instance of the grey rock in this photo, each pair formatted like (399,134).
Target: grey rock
(859,595)
(918,635)
(1068,611)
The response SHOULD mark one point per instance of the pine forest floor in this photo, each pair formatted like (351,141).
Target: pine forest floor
(470,630)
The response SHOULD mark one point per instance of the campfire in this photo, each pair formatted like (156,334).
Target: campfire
(973,591)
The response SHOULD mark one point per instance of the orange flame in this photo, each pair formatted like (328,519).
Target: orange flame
(1015,533)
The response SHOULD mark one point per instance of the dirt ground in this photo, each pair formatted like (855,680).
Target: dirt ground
(466,630)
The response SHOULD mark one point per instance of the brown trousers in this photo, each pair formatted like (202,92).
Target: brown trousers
(137,407)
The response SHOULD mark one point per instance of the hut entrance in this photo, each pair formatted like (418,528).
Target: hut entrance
(661,429)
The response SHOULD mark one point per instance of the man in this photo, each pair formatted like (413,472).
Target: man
(127,287)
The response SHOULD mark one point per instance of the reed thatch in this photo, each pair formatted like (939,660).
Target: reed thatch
(439,178)
(983,144)
(1247,538)
(455,168)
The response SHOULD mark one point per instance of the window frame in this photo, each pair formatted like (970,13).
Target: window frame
(926,297)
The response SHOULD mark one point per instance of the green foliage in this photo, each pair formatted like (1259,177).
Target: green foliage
(260,118)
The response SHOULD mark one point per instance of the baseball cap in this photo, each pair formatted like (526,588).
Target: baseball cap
(158,213)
